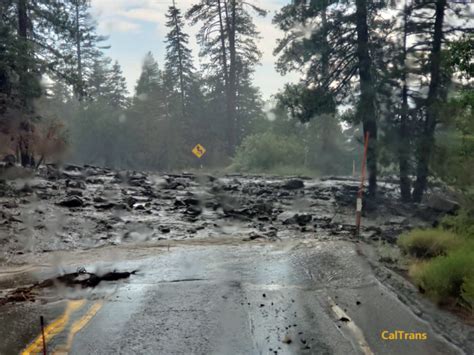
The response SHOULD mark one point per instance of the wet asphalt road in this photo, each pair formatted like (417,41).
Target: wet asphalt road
(304,297)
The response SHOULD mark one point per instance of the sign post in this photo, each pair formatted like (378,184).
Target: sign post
(361,186)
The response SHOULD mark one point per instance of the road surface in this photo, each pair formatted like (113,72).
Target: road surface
(287,297)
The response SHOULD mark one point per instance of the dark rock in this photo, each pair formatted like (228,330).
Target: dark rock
(164,229)
(179,203)
(191,201)
(253,236)
(300,219)
(72,175)
(10,204)
(193,210)
(211,205)
(9,160)
(441,204)
(95,180)
(263,208)
(26,189)
(138,181)
(99,199)
(71,167)
(293,184)
(106,205)
(74,193)
(75,184)
(71,202)
(173,183)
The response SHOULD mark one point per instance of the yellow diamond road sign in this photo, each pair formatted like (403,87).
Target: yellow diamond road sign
(199,150)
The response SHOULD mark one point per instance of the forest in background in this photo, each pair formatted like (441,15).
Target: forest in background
(399,71)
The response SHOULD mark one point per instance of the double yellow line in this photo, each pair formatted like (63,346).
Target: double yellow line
(58,325)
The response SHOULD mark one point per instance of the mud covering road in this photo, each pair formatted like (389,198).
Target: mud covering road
(304,297)
(225,265)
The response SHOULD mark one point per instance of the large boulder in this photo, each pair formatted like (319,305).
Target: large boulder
(300,219)
(71,202)
(293,184)
(441,203)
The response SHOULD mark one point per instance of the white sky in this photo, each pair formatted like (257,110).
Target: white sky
(135,27)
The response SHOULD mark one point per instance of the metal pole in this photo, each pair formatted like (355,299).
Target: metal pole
(361,186)
(42,333)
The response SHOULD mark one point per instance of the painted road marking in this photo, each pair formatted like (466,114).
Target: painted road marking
(353,328)
(76,328)
(57,326)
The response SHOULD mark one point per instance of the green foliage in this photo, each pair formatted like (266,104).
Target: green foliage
(460,54)
(447,277)
(450,271)
(454,158)
(462,223)
(428,243)
(304,104)
(267,151)
(467,291)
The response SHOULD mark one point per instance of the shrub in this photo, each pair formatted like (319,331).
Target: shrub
(467,292)
(446,277)
(266,151)
(462,223)
(428,243)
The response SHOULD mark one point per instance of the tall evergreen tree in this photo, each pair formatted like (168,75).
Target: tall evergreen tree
(28,51)
(333,47)
(179,62)
(432,111)
(150,78)
(83,44)
(118,88)
(227,37)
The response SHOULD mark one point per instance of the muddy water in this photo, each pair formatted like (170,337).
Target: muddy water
(249,298)
(230,265)
(81,208)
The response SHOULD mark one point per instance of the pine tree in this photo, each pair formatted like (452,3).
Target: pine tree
(426,144)
(28,51)
(333,47)
(227,38)
(98,83)
(179,63)
(118,97)
(150,78)
(83,44)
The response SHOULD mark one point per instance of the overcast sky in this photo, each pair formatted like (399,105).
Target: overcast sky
(135,27)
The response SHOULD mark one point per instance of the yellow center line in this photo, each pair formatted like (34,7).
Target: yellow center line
(76,327)
(54,328)
(353,328)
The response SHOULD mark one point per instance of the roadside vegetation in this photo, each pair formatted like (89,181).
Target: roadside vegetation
(441,260)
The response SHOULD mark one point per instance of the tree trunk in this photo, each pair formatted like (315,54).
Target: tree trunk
(180,61)
(232,96)
(403,141)
(80,84)
(427,140)
(24,55)
(366,109)
(26,156)
(229,111)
